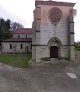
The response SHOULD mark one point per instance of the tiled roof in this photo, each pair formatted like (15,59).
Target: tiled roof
(18,40)
(54,3)
(23,31)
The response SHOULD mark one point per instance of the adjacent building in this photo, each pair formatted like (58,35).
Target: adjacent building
(21,42)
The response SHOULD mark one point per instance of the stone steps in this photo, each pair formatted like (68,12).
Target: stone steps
(54,61)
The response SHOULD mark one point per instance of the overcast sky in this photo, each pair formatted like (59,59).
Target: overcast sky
(22,11)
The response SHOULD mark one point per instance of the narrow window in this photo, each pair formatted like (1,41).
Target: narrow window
(31,46)
(26,36)
(10,46)
(27,49)
(18,36)
(21,47)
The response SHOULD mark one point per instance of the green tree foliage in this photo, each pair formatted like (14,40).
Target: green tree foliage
(5,32)
(77,46)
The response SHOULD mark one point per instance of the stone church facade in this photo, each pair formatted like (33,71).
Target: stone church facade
(53,31)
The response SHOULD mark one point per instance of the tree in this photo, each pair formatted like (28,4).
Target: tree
(15,25)
(5,32)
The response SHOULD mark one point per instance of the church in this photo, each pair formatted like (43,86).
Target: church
(53,31)
(21,42)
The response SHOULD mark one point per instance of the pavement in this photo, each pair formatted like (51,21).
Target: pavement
(62,77)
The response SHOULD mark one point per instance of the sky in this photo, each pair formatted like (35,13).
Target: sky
(22,11)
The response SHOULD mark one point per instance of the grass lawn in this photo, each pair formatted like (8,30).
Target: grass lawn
(17,60)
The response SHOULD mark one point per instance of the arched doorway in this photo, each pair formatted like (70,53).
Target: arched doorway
(53,52)
(54,47)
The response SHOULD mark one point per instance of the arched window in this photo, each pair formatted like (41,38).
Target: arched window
(18,36)
(21,46)
(31,46)
(26,36)
(10,46)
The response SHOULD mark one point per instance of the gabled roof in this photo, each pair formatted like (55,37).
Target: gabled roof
(23,31)
(54,3)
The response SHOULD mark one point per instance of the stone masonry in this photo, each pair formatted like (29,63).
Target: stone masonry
(53,31)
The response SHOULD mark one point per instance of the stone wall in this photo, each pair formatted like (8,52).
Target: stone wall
(16,47)
(77,56)
(47,29)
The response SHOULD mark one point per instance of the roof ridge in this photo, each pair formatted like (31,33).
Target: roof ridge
(23,31)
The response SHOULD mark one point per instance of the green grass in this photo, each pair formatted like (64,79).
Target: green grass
(16,60)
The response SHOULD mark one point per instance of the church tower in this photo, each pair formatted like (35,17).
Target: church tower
(53,31)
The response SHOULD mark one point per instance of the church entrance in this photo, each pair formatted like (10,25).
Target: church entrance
(53,52)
